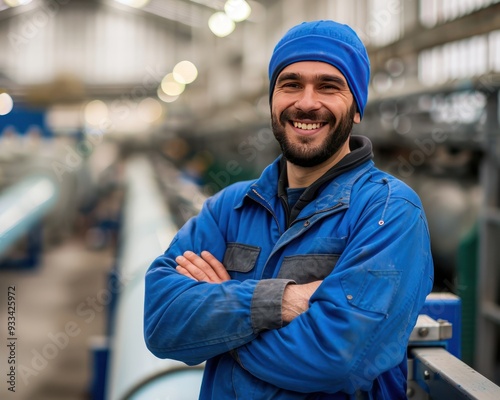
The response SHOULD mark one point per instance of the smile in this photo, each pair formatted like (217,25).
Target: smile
(308,126)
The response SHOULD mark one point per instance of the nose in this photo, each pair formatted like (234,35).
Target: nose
(308,99)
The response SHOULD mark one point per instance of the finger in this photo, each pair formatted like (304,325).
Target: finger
(193,270)
(185,272)
(216,265)
(204,267)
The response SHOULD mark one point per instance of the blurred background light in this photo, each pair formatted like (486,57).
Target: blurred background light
(64,118)
(237,10)
(395,67)
(150,110)
(402,124)
(134,3)
(165,97)
(171,87)
(185,72)
(381,82)
(16,3)
(6,104)
(220,24)
(96,112)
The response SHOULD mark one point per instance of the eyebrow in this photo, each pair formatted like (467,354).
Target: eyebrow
(288,76)
(322,78)
(334,79)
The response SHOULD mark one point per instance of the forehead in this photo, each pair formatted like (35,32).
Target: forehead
(312,68)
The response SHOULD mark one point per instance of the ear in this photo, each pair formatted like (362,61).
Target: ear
(357,118)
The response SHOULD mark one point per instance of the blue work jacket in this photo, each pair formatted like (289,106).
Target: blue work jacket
(365,235)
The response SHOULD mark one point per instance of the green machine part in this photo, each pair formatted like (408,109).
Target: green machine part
(467,265)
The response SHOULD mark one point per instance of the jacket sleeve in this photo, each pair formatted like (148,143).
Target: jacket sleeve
(192,321)
(361,316)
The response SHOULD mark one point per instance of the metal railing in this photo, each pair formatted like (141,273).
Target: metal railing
(440,375)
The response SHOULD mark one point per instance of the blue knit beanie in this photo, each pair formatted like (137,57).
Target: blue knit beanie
(329,42)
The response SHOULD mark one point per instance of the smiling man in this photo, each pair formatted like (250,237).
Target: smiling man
(305,283)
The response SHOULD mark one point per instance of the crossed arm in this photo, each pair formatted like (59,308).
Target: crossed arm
(207,268)
(351,321)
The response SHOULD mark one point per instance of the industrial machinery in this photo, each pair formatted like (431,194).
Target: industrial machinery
(22,206)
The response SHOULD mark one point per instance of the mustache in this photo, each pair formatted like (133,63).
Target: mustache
(288,115)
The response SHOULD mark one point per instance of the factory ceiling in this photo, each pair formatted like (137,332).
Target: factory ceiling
(64,53)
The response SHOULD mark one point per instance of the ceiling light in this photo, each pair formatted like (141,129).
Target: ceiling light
(220,24)
(6,104)
(16,3)
(96,112)
(134,3)
(237,10)
(165,97)
(185,72)
(171,87)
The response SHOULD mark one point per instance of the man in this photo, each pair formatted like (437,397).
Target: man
(307,282)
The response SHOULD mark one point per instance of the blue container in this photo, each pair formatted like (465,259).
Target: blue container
(446,306)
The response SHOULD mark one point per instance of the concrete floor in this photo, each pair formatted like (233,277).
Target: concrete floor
(59,312)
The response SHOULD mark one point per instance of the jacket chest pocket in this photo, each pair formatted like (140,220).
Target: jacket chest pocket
(240,259)
(308,267)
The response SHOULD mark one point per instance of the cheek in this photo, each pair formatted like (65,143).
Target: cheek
(276,107)
(281,101)
(339,109)
(277,111)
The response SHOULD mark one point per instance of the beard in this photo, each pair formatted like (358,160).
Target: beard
(303,154)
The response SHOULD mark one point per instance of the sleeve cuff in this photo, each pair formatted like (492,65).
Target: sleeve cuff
(266,304)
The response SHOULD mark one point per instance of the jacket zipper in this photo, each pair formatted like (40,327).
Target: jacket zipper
(268,208)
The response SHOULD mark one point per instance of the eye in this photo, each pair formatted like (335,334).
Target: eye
(330,87)
(290,85)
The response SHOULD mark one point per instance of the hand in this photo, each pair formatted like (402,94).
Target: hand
(296,299)
(203,269)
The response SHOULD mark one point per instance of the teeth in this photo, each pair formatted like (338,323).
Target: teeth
(309,127)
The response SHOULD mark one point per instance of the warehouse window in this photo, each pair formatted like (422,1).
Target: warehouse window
(385,22)
(434,12)
(462,59)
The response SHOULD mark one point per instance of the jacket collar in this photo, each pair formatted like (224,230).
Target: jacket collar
(338,191)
